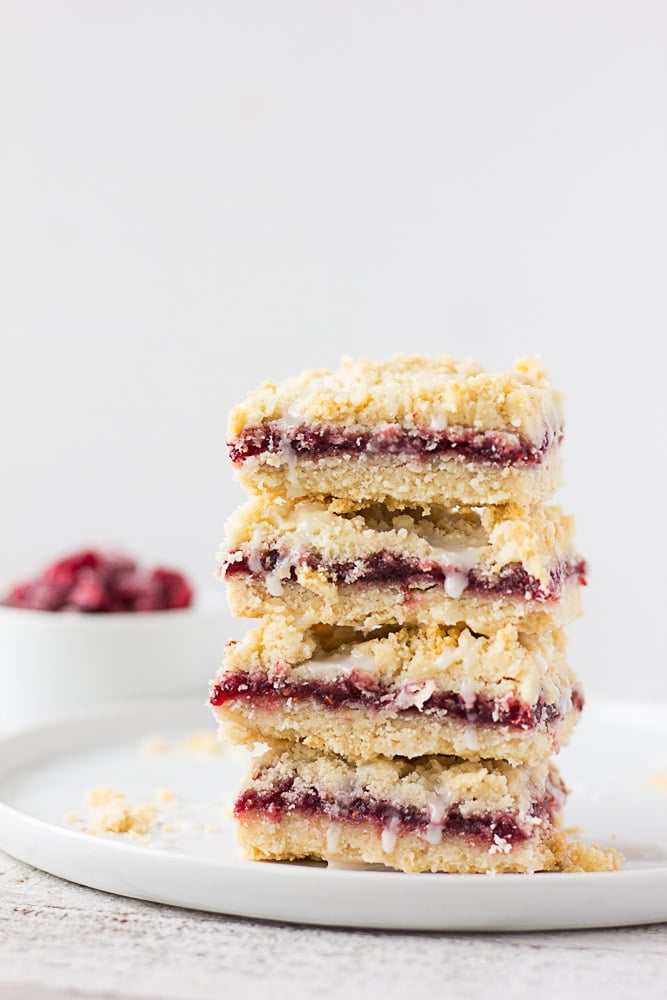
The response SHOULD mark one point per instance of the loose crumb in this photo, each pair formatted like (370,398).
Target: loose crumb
(154,745)
(166,795)
(577,856)
(107,811)
(203,742)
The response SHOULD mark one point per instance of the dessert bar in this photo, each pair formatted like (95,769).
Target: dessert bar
(399,692)
(412,428)
(432,814)
(381,565)
(409,678)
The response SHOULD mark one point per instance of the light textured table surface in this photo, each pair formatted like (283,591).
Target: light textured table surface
(59,940)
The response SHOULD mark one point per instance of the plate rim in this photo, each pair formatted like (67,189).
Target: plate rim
(42,843)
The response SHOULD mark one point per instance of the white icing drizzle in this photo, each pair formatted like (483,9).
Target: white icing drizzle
(565,704)
(470,738)
(333,838)
(468,691)
(274,584)
(455,584)
(338,664)
(389,835)
(461,558)
(433,834)
(293,417)
(274,579)
(255,563)
(388,840)
(309,522)
(438,807)
(414,694)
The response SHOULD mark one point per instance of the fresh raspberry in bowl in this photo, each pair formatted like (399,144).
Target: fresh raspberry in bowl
(94,581)
(106,651)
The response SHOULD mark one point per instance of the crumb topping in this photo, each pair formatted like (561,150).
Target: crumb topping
(537,538)
(413,391)
(426,783)
(201,742)
(452,658)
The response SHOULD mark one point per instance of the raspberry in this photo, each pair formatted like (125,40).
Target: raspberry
(93,581)
(176,591)
(88,592)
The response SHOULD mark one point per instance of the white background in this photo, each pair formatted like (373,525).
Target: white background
(197,196)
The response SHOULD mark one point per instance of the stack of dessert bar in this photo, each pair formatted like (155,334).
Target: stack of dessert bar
(410,672)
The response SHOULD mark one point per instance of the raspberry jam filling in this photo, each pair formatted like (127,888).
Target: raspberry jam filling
(93,581)
(486,828)
(357,689)
(325,441)
(393,568)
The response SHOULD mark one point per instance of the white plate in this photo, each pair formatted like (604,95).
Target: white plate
(618,754)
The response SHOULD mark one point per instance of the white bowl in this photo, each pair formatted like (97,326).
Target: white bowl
(54,663)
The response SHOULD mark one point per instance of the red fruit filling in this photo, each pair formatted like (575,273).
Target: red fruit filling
(290,796)
(356,689)
(392,567)
(97,581)
(322,441)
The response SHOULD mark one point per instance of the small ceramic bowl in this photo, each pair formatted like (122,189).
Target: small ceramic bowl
(55,663)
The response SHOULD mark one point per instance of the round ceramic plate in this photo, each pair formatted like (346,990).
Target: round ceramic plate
(616,769)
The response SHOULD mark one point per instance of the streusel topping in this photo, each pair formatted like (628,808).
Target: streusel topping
(452,657)
(427,783)
(412,391)
(493,537)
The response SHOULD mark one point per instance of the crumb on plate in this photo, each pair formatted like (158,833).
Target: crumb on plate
(202,742)
(577,856)
(107,811)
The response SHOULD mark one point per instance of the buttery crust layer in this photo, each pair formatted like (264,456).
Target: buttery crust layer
(370,605)
(425,482)
(360,734)
(296,838)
